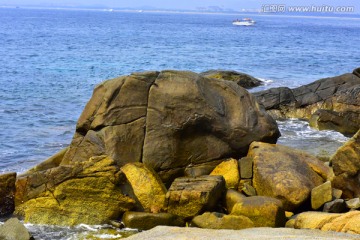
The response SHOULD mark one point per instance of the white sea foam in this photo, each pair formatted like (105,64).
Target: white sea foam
(266,81)
(298,134)
(107,236)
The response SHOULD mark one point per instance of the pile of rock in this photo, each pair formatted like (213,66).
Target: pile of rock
(176,148)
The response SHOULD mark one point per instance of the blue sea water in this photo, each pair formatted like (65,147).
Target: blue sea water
(50,60)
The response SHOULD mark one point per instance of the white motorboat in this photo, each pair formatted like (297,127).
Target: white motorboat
(244,22)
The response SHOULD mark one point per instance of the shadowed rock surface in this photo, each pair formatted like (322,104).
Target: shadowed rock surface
(7,193)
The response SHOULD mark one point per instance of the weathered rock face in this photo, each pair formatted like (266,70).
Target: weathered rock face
(188,197)
(340,95)
(263,211)
(86,192)
(242,79)
(216,220)
(346,222)
(192,120)
(346,165)
(170,121)
(113,121)
(145,221)
(286,174)
(7,194)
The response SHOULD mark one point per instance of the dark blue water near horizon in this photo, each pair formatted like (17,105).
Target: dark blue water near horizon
(50,60)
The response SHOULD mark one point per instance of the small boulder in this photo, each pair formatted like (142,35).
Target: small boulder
(321,195)
(146,185)
(337,193)
(7,193)
(145,221)
(13,229)
(229,169)
(246,167)
(263,211)
(188,197)
(242,79)
(216,220)
(335,206)
(353,203)
(346,165)
(285,173)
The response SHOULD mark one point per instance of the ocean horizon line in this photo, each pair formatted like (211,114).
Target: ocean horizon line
(354,16)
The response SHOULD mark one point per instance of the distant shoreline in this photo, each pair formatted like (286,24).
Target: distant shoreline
(355,16)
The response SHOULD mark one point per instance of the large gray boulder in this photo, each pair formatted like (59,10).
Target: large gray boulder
(170,121)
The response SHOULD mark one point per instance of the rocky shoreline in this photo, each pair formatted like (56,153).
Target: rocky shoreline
(178,148)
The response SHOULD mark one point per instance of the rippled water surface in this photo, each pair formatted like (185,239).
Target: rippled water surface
(50,60)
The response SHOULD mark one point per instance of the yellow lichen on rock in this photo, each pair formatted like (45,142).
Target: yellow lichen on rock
(147,186)
(263,211)
(92,196)
(229,169)
(345,222)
